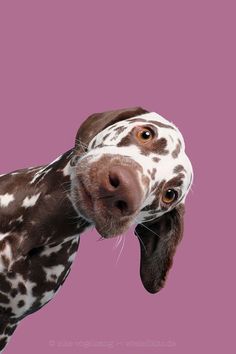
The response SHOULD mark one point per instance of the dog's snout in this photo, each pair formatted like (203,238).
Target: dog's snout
(120,190)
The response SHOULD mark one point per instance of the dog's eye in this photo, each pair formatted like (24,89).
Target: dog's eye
(169,196)
(144,135)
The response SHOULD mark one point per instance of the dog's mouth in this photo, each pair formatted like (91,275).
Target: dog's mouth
(110,197)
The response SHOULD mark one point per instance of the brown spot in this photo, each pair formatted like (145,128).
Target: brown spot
(2,325)
(10,329)
(153,173)
(22,288)
(4,299)
(176,181)
(158,194)
(178,169)
(5,261)
(93,144)
(176,151)
(7,330)
(145,181)
(14,292)
(5,285)
(138,120)
(159,146)
(73,248)
(119,130)
(2,245)
(21,303)
(6,312)
(62,280)
(161,125)
(3,342)
(106,136)
(155,159)
(125,141)
(99,145)
(11,275)
(154,186)
(21,265)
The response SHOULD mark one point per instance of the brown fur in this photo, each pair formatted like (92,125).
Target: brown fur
(158,242)
(177,150)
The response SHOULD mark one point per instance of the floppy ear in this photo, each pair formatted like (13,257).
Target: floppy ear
(99,121)
(158,242)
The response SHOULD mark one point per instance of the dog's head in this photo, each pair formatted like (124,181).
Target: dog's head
(130,167)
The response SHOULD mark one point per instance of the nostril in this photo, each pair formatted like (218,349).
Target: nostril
(114,181)
(122,206)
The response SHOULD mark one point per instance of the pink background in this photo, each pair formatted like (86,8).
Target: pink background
(63,60)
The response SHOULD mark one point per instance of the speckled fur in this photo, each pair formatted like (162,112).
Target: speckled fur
(37,244)
(42,212)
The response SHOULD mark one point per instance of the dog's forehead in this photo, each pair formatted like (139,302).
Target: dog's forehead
(113,134)
(168,152)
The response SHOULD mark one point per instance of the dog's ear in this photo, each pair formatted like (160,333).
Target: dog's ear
(99,121)
(158,242)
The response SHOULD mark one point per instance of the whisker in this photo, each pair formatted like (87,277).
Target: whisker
(121,249)
(101,238)
(118,240)
(109,225)
(141,241)
(191,189)
(81,142)
(82,145)
(147,228)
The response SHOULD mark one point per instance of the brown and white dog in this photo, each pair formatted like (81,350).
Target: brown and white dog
(127,167)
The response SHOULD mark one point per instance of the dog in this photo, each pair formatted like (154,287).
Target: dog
(127,167)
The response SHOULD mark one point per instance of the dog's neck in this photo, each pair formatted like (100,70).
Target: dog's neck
(40,199)
(57,177)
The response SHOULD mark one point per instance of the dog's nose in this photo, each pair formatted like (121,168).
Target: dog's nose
(120,190)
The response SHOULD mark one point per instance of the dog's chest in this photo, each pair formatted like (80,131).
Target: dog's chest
(39,237)
(32,281)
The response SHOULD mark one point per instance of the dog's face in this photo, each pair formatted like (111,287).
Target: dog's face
(130,168)
(132,171)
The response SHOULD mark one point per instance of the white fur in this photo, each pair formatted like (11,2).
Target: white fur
(30,201)
(6,199)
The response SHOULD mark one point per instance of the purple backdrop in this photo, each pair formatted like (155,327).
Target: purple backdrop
(63,60)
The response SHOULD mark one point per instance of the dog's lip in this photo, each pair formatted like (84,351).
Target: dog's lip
(89,205)
(87,197)
(117,230)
